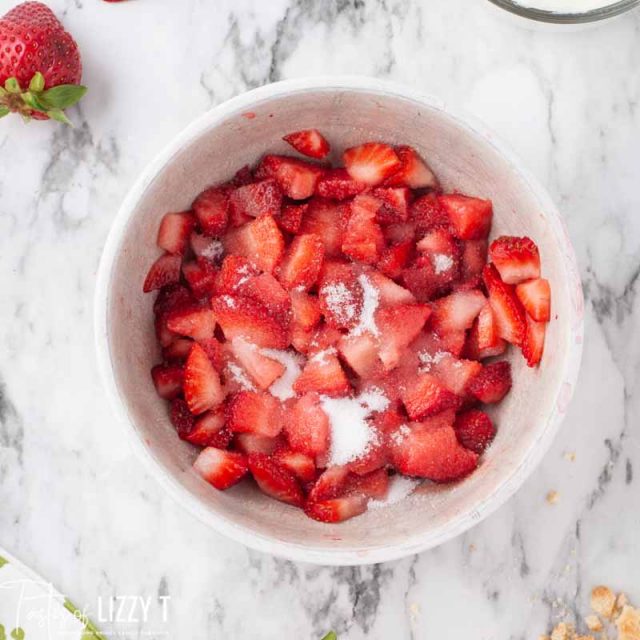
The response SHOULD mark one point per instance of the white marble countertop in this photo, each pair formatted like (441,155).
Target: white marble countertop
(74,502)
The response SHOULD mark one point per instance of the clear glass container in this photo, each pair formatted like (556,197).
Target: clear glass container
(556,17)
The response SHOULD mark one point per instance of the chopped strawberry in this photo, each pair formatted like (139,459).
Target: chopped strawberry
(235,271)
(533,344)
(259,240)
(363,239)
(296,178)
(178,350)
(372,485)
(253,443)
(330,484)
(221,468)
(424,396)
(470,217)
(455,374)
(257,199)
(301,465)
(323,338)
(174,232)
(173,296)
(201,276)
(427,212)
(394,204)
(242,176)
(484,339)
(323,374)
(291,216)
(202,388)
(306,310)
(360,353)
(492,383)
(300,337)
(309,142)
(535,296)
(167,380)
(337,509)
(413,171)
(390,294)
(327,220)
(340,295)
(457,311)
(395,258)
(213,349)
(400,232)
(508,312)
(375,456)
(474,257)
(242,317)
(165,337)
(516,259)
(212,210)
(209,430)
(371,162)
(266,290)
(421,279)
(398,326)
(198,323)
(307,426)
(253,412)
(164,271)
(337,184)
(181,418)
(430,449)
(302,262)
(264,371)
(274,480)
(475,430)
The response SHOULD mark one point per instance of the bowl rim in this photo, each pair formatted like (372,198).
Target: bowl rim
(245,535)
(615,8)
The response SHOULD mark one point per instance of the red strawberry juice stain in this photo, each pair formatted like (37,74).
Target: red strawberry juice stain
(249,115)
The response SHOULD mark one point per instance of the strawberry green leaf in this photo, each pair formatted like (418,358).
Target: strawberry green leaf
(12,85)
(37,83)
(58,114)
(32,101)
(330,636)
(62,96)
(4,111)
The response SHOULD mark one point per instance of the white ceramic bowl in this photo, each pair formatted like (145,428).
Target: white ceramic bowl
(349,111)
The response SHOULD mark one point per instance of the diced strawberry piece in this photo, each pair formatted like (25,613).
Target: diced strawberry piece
(400,232)
(242,317)
(535,296)
(212,210)
(164,271)
(235,271)
(259,241)
(309,142)
(165,337)
(457,311)
(371,162)
(375,456)
(470,217)
(174,232)
(475,430)
(306,310)
(330,484)
(363,239)
(201,276)
(209,430)
(492,383)
(202,388)
(424,396)
(431,450)
(508,312)
(474,257)
(290,217)
(198,323)
(213,349)
(413,171)
(221,468)
(274,480)
(323,373)
(242,176)
(301,465)
(257,199)
(340,295)
(302,262)
(266,290)
(372,485)
(237,218)
(395,258)
(173,296)
(181,418)
(307,426)
(455,374)
(390,294)
(336,510)
(300,337)
(398,326)
(327,220)
(323,338)
(394,204)
(422,281)
(296,178)
(253,443)
(516,259)
(264,371)
(533,344)
(167,380)
(178,350)
(484,340)
(360,353)
(337,184)
(253,412)
(427,212)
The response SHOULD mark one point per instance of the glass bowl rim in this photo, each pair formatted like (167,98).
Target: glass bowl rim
(553,17)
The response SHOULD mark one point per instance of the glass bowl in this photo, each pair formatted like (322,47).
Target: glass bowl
(558,17)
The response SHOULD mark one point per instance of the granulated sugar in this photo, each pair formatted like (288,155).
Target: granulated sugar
(400,488)
(238,374)
(428,359)
(340,301)
(229,301)
(282,388)
(351,434)
(321,356)
(442,262)
(371,300)
(213,251)
(400,433)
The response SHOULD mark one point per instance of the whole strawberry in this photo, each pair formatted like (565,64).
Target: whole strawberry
(40,66)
